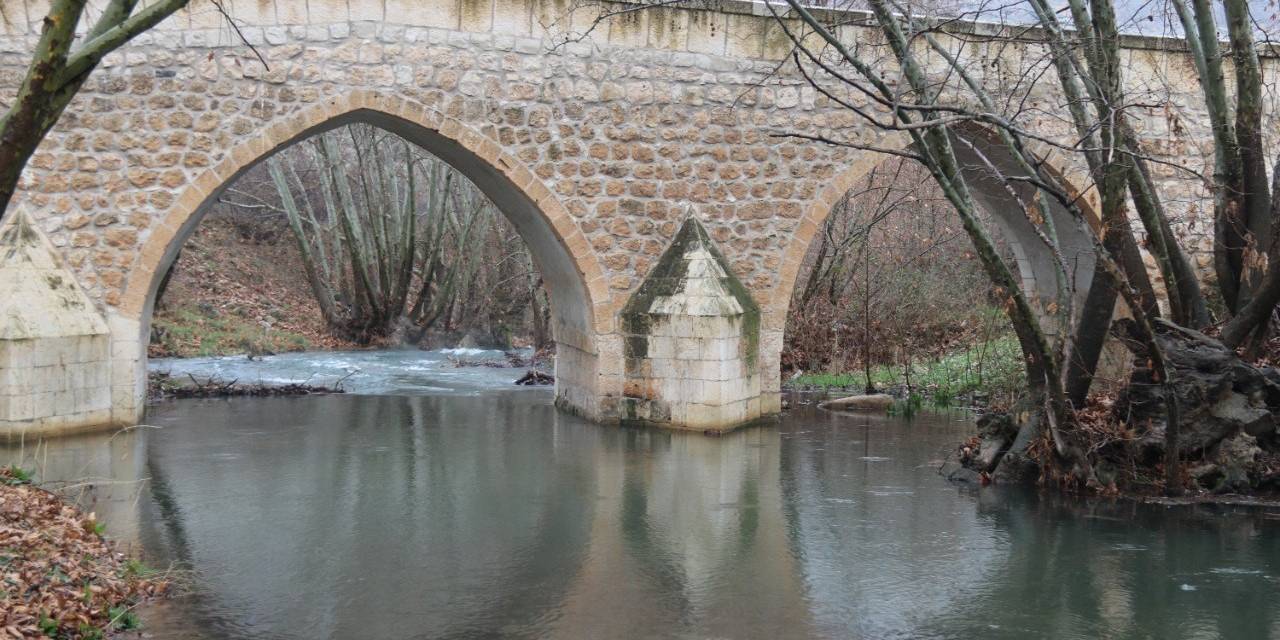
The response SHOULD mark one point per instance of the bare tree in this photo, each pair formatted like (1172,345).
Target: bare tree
(932,106)
(890,266)
(394,242)
(917,78)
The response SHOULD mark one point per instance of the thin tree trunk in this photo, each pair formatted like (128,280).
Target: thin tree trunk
(56,74)
(319,289)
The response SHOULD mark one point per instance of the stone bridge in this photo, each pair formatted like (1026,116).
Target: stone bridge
(637,155)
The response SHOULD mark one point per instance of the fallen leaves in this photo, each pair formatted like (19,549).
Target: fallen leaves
(58,576)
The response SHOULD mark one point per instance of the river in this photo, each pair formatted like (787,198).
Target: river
(441,502)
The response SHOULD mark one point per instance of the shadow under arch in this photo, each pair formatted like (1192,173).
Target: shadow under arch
(571,271)
(976,148)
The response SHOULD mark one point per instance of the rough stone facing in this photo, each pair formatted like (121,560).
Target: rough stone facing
(54,345)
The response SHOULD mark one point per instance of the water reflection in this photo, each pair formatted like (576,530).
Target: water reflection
(464,516)
(885,546)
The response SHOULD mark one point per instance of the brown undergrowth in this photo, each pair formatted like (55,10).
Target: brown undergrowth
(59,577)
(238,287)
(1123,467)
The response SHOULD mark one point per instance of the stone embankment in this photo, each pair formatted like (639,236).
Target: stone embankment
(1228,425)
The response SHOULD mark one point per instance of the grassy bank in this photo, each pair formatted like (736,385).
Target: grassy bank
(992,369)
(238,288)
(186,330)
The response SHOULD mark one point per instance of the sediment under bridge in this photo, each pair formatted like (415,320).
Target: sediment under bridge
(636,154)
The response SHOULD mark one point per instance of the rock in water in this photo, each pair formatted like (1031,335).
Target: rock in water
(872,402)
(997,431)
(535,377)
(1219,395)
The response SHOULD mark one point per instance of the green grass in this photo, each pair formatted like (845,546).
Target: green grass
(15,475)
(134,568)
(994,368)
(123,618)
(187,332)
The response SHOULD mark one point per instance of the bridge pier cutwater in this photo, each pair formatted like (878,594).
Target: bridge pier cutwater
(638,163)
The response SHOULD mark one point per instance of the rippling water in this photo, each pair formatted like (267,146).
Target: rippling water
(388,372)
(459,515)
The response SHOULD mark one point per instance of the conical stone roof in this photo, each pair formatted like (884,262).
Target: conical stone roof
(691,278)
(41,298)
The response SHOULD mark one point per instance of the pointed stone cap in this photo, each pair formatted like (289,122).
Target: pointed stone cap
(41,298)
(692,278)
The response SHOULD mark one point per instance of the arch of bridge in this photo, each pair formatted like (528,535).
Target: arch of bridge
(572,272)
(1034,262)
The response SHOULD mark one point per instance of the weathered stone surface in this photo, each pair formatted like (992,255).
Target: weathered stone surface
(692,337)
(1219,396)
(41,298)
(1232,467)
(54,349)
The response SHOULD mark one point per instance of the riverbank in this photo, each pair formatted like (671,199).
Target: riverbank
(165,386)
(987,374)
(61,577)
(238,286)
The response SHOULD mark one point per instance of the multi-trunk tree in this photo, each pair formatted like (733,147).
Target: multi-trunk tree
(924,71)
(920,80)
(396,243)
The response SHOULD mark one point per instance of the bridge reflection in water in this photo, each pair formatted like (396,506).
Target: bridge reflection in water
(470,515)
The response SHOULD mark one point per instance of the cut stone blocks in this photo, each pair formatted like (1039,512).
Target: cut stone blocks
(55,359)
(691,336)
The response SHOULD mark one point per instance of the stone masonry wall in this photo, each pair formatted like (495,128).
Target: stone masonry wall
(55,351)
(612,129)
(691,336)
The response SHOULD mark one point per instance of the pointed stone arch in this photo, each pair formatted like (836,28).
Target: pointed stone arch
(816,214)
(1013,228)
(580,297)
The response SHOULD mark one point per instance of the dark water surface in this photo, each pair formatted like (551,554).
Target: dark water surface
(494,515)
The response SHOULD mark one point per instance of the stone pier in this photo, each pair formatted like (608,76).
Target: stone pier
(691,337)
(55,349)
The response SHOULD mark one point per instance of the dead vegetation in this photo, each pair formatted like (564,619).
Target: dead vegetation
(163,386)
(237,287)
(59,577)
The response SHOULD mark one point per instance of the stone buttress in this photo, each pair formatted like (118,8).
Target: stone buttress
(55,348)
(691,341)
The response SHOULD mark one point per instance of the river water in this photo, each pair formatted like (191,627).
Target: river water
(471,509)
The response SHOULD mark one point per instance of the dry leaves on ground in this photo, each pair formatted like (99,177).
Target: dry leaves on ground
(58,576)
